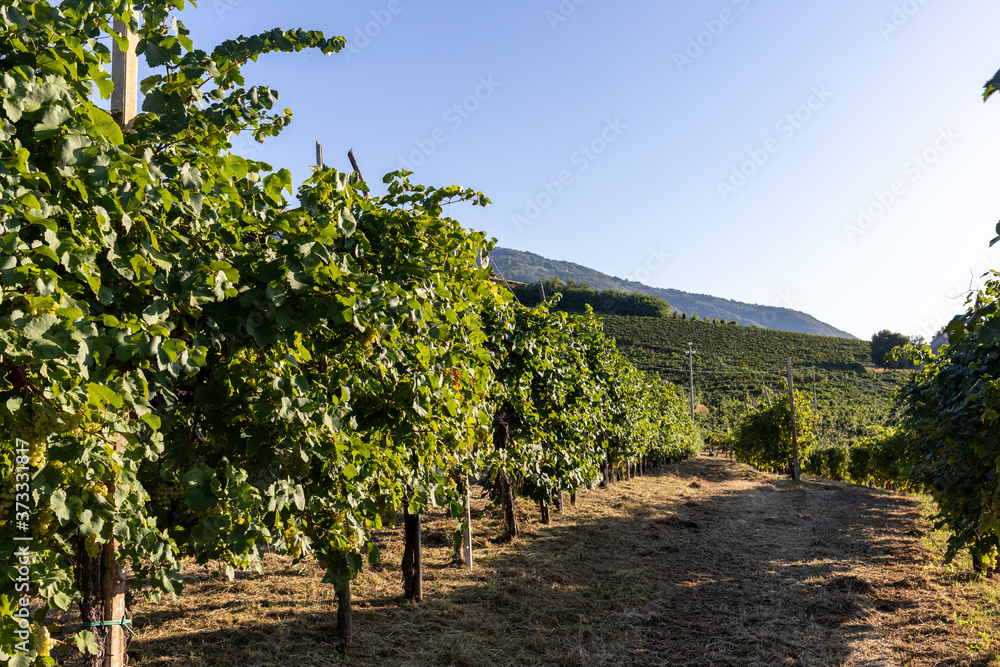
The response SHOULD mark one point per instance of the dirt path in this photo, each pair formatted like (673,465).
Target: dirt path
(707,563)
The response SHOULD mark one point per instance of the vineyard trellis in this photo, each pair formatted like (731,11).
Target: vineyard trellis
(199,367)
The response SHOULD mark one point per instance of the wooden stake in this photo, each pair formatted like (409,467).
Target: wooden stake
(815,409)
(113,586)
(319,155)
(344,624)
(125,76)
(354,163)
(467,538)
(124,107)
(413,583)
(767,393)
(795,440)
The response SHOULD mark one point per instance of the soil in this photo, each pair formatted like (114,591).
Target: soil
(707,562)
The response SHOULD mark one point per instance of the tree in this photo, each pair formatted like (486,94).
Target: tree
(882,345)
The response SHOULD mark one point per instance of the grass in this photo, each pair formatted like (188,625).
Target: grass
(705,563)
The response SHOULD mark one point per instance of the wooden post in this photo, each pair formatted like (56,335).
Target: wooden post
(467,538)
(501,438)
(766,392)
(124,107)
(125,76)
(795,441)
(354,163)
(344,623)
(815,409)
(413,583)
(541,291)
(572,499)
(113,586)
(319,155)
(690,354)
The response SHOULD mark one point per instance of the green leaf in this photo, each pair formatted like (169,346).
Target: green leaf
(71,149)
(152,421)
(86,642)
(103,126)
(57,501)
(99,396)
(90,522)
(52,121)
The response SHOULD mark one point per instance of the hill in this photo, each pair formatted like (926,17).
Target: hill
(529,267)
(733,365)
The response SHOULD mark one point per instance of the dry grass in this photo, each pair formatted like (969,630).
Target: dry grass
(706,563)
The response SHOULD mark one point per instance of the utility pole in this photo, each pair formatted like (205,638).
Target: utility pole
(815,409)
(690,353)
(795,441)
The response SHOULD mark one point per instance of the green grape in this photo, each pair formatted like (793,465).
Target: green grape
(94,488)
(92,546)
(41,641)
(44,524)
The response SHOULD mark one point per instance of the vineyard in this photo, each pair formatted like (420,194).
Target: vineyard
(734,364)
(201,369)
(214,377)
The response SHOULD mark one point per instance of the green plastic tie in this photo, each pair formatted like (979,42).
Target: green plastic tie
(125,623)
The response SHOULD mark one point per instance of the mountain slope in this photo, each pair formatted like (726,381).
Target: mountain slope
(529,267)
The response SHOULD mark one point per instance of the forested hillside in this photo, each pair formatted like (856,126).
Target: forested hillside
(528,267)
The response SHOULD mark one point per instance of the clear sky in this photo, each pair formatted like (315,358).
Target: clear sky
(832,157)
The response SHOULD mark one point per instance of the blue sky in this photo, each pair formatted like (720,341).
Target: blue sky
(835,158)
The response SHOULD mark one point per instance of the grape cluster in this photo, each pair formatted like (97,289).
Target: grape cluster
(94,488)
(92,545)
(167,501)
(41,641)
(36,454)
(6,497)
(44,524)
(44,424)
